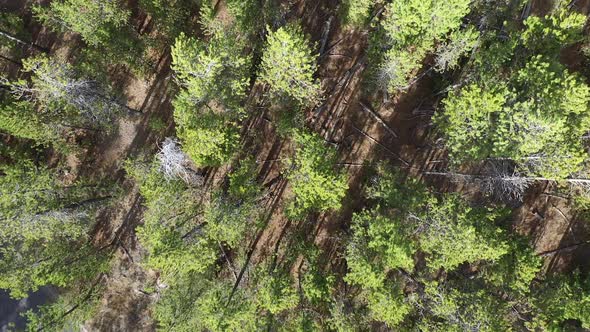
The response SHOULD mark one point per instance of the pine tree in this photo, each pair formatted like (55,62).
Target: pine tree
(43,221)
(213,77)
(411,28)
(96,21)
(538,121)
(315,183)
(288,65)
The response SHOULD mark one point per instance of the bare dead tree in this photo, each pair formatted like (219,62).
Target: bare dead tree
(504,182)
(449,53)
(514,185)
(54,85)
(175,164)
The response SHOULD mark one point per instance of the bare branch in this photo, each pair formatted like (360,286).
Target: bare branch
(174,163)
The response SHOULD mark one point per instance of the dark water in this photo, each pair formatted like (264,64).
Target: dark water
(10,309)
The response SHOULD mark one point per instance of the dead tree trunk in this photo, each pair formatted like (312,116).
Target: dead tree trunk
(9,36)
(574,181)
(379,119)
(16,62)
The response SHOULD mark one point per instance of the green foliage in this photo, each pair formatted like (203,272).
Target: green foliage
(104,27)
(517,269)
(345,318)
(381,239)
(288,65)
(157,124)
(316,284)
(553,32)
(96,21)
(457,233)
(412,27)
(466,121)
(125,49)
(317,287)
(216,314)
(183,230)
(214,77)
(386,238)
(171,17)
(445,230)
(562,298)
(175,309)
(387,305)
(288,121)
(59,314)
(385,188)
(356,12)
(538,122)
(213,71)
(63,96)
(463,309)
(276,293)
(43,238)
(242,182)
(169,223)
(314,182)
(459,43)
(409,259)
(361,269)
(525,106)
(199,304)
(19,119)
(553,114)
(12,24)
(492,57)
(298,321)
(581,205)
(247,14)
(227,222)
(209,141)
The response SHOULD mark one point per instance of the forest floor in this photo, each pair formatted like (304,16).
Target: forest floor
(398,132)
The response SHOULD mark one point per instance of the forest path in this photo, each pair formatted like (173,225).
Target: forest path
(124,305)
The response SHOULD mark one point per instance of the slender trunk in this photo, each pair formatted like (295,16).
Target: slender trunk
(114,101)
(75,205)
(192,231)
(88,201)
(16,62)
(508,178)
(381,145)
(569,247)
(22,42)
(229,263)
(325,35)
(246,263)
(379,119)
(86,298)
